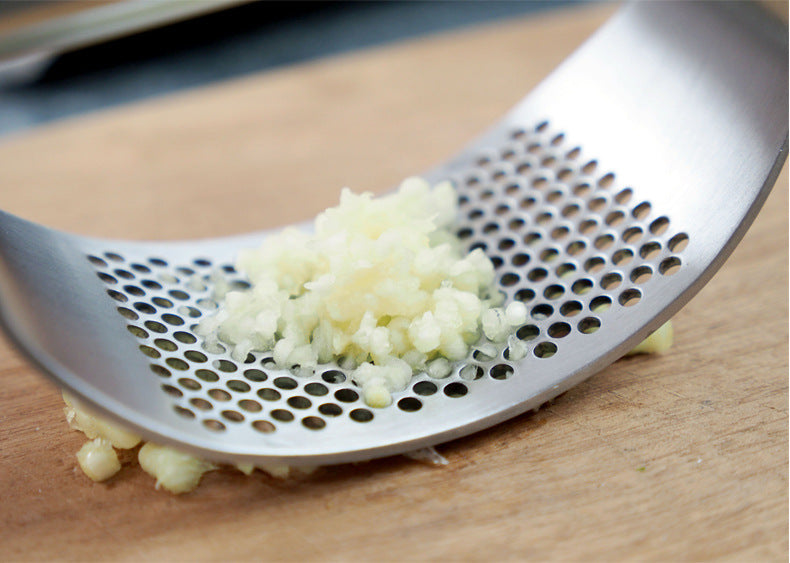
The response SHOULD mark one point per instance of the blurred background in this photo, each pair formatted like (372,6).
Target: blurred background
(59,59)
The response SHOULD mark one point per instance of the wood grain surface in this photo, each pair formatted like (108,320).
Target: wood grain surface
(677,457)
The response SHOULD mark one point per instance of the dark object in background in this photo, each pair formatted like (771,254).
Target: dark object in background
(237,40)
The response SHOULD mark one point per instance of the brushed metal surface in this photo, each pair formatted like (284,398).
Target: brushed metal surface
(607,199)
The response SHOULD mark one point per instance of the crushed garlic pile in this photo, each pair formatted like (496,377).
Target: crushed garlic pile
(381,285)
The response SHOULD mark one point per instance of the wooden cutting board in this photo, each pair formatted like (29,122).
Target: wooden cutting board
(677,457)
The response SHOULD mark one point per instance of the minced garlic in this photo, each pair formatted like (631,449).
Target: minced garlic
(658,342)
(98,459)
(94,426)
(381,283)
(175,471)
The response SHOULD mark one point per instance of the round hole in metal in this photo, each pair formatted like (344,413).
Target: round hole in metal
(106,278)
(532,238)
(165,344)
(282,415)
(501,371)
(594,264)
(238,386)
(622,256)
(582,189)
(424,388)
(554,291)
(195,356)
(177,363)
(624,196)
(589,325)
(566,269)
(597,204)
(587,226)
(333,376)
(219,395)
(510,279)
(155,326)
(604,241)
(659,226)
(570,210)
(542,311)
(316,389)
(190,384)
(678,242)
(455,390)
(630,297)
(207,375)
(641,274)
(606,181)
(519,259)
(361,415)
(201,404)
(161,371)
(545,350)
(128,314)
(559,330)
(611,281)
(117,295)
(299,402)
(255,375)
(186,413)
(582,286)
(214,425)
(549,254)
(527,332)
(172,391)
(524,295)
(615,218)
(576,247)
(560,232)
(330,409)
(601,304)
(313,422)
(133,290)
(650,250)
(250,405)
(537,274)
(232,416)
(225,366)
(346,395)
(570,308)
(173,320)
(641,211)
(285,383)
(410,404)
(150,352)
(506,244)
(263,426)
(268,394)
(669,266)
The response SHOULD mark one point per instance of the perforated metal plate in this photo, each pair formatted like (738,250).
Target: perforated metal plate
(606,199)
(565,238)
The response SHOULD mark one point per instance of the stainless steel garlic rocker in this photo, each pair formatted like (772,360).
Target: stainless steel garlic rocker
(606,199)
